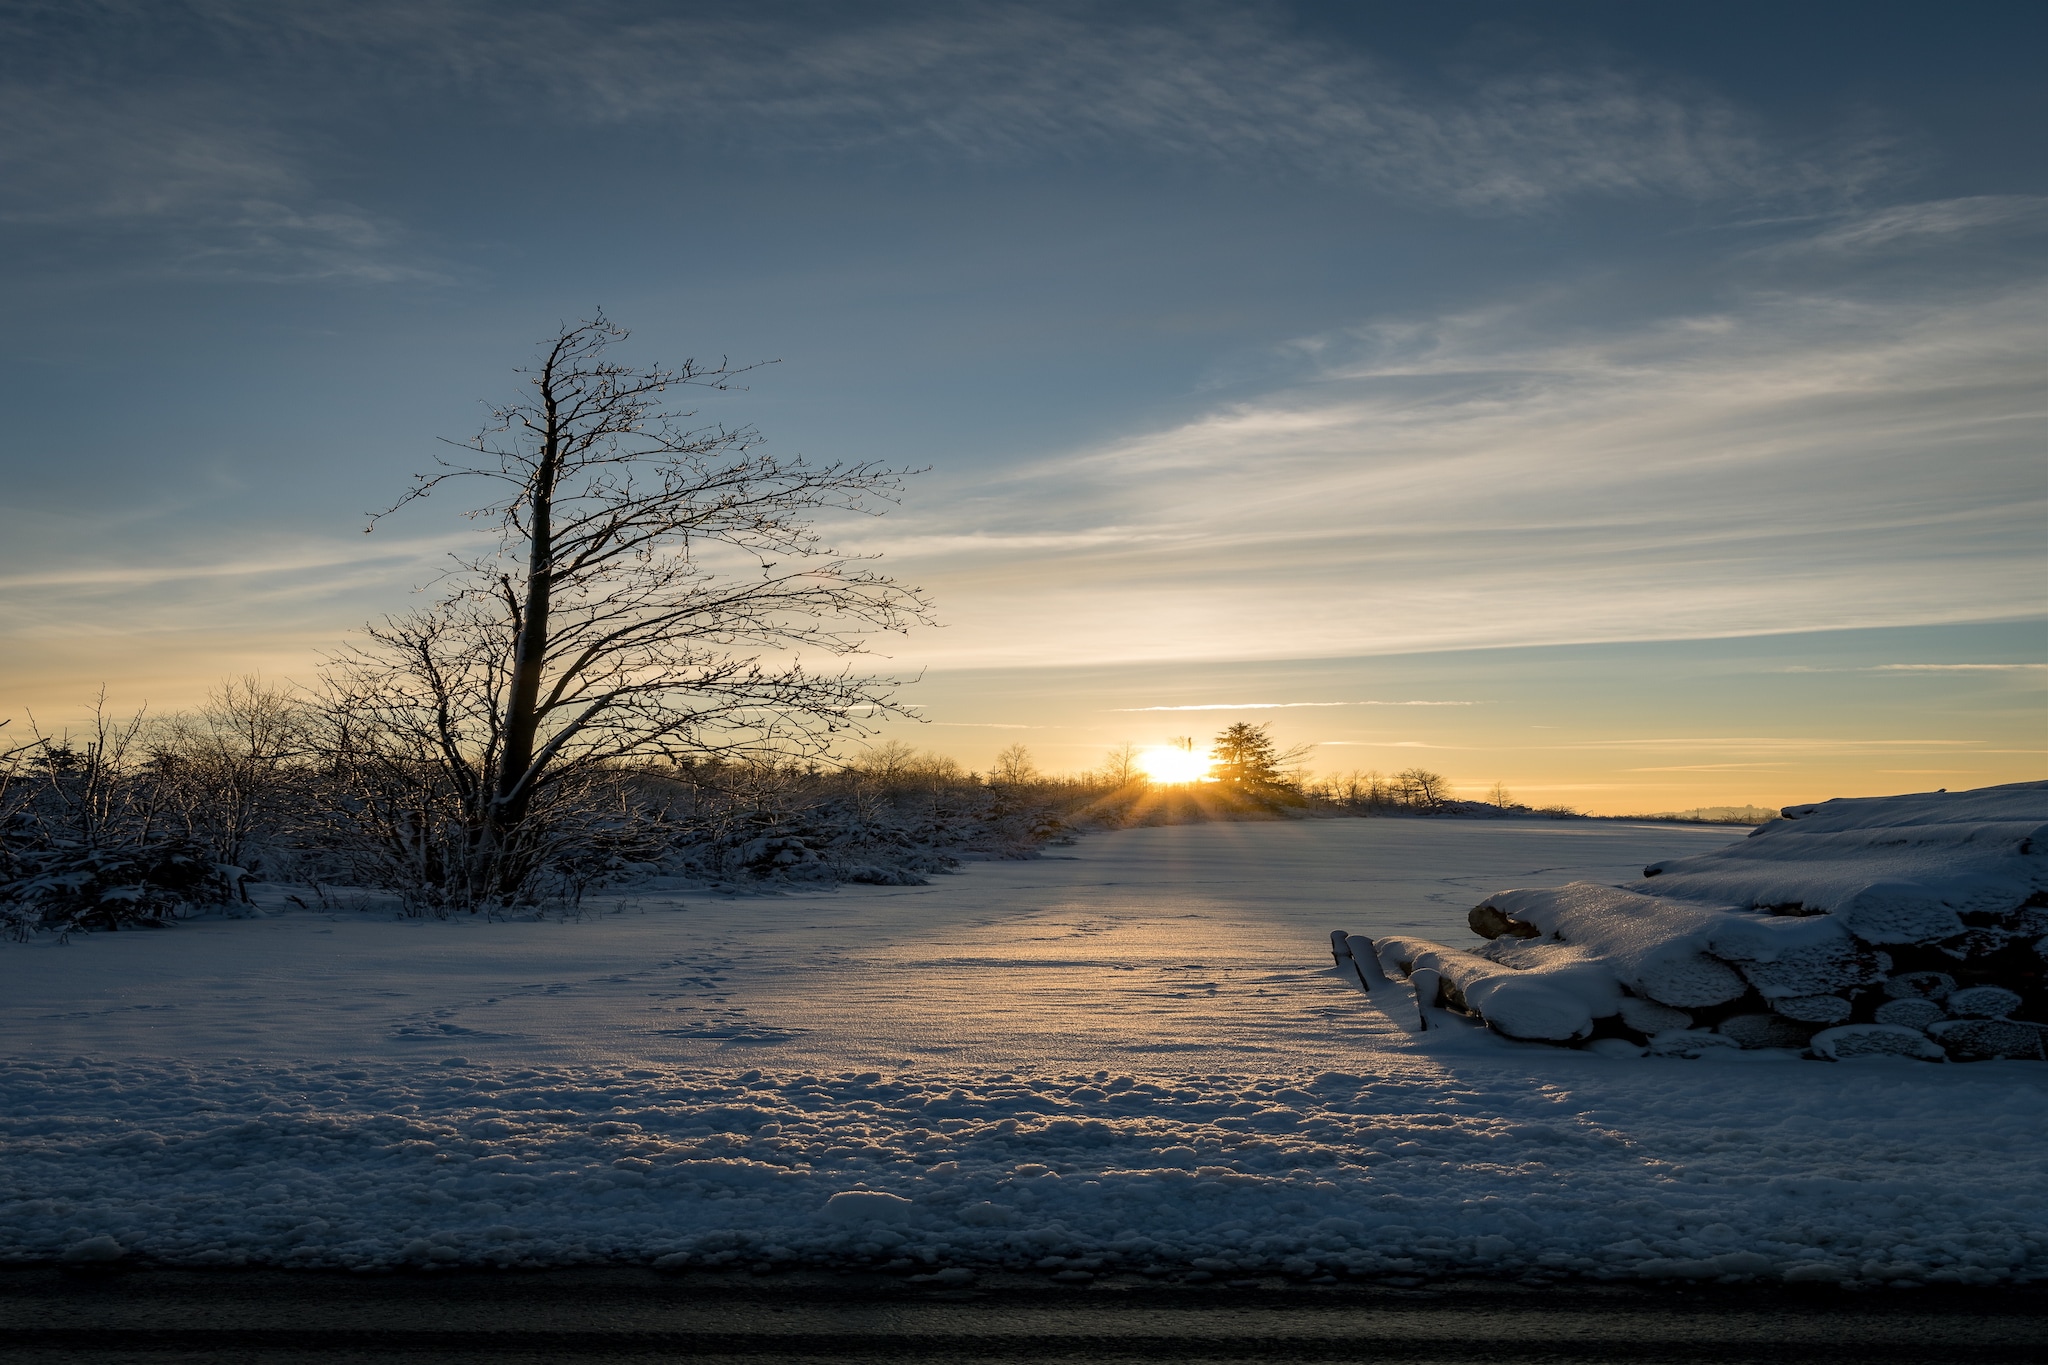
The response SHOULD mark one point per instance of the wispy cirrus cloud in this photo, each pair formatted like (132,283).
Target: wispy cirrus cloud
(196,121)
(1771,743)
(182,181)
(1284,705)
(316,583)
(1909,226)
(1960,668)
(1383,744)
(103,577)
(1220,83)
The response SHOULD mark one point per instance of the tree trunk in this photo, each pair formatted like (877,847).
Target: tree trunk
(513,792)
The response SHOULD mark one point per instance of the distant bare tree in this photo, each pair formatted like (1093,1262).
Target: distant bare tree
(1355,790)
(1501,796)
(1013,766)
(1423,789)
(645,571)
(1120,766)
(228,766)
(888,760)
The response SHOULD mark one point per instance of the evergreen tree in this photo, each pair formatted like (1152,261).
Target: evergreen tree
(1246,757)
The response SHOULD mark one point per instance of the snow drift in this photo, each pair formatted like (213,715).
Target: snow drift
(1912,926)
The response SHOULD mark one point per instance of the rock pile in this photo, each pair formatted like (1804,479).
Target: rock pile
(1912,926)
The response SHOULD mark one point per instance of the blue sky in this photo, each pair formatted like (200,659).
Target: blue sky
(1317,347)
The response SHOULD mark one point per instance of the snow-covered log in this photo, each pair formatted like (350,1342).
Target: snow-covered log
(1910,926)
(1550,994)
(1875,1040)
(1648,1017)
(1985,1039)
(1766,1030)
(1691,1042)
(1920,986)
(1909,1013)
(1816,1009)
(1982,1002)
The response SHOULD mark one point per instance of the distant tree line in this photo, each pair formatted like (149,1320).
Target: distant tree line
(142,820)
(1418,791)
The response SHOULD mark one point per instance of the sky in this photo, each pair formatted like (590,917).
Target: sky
(1637,404)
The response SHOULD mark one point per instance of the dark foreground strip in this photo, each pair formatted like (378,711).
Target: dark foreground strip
(625,1316)
(330,1346)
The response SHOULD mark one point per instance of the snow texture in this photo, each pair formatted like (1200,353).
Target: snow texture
(1405,1165)
(1117,1059)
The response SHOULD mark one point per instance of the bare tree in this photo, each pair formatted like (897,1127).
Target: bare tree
(644,573)
(1013,766)
(1422,789)
(1355,790)
(228,765)
(1500,796)
(1120,766)
(889,760)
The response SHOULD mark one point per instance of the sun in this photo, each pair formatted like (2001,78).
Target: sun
(1170,767)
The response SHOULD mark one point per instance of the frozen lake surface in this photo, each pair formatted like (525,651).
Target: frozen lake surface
(1188,945)
(1129,1055)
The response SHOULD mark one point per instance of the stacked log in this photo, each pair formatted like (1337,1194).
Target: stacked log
(1912,926)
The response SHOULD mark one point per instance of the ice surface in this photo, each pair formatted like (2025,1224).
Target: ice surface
(1125,1058)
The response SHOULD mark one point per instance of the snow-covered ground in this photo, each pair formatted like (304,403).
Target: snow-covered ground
(1128,1056)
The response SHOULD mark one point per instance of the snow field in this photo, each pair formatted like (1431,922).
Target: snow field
(1133,1058)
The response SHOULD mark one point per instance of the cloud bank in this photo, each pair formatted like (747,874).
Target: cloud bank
(1855,449)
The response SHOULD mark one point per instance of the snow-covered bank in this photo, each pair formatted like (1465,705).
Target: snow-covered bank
(1127,1057)
(1912,926)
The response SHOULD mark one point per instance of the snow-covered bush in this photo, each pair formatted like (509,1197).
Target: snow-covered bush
(1913,926)
(97,836)
(64,886)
